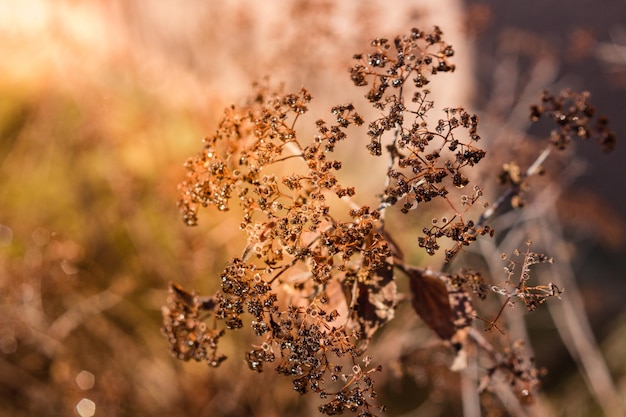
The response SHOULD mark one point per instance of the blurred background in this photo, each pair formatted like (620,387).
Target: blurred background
(101,103)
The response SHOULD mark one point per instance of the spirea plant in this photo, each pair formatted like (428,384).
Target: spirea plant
(319,274)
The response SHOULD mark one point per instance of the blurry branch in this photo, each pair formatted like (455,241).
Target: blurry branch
(507,77)
(520,224)
(569,314)
(84,309)
(469,390)
(542,73)
(615,52)
(573,324)
(500,387)
(514,189)
(16,377)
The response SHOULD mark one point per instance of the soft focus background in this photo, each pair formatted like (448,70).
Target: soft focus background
(101,102)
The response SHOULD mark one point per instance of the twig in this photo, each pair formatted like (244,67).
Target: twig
(574,328)
(513,189)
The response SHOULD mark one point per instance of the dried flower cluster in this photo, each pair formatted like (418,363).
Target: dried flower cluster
(315,282)
(517,369)
(574,117)
(514,289)
(293,241)
(188,335)
(573,114)
(420,170)
(532,296)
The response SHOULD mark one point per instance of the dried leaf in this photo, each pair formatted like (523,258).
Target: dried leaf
(432,303)
(182,295)
(376,301)
(191,300)
(463,312)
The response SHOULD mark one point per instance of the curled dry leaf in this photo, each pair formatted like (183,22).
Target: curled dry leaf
(182,295)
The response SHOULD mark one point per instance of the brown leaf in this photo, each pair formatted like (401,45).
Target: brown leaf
(182,295)
(462,308)
(375,303)
(432,303)
(191,300)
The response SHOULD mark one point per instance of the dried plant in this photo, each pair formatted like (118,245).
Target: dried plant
(318,276)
